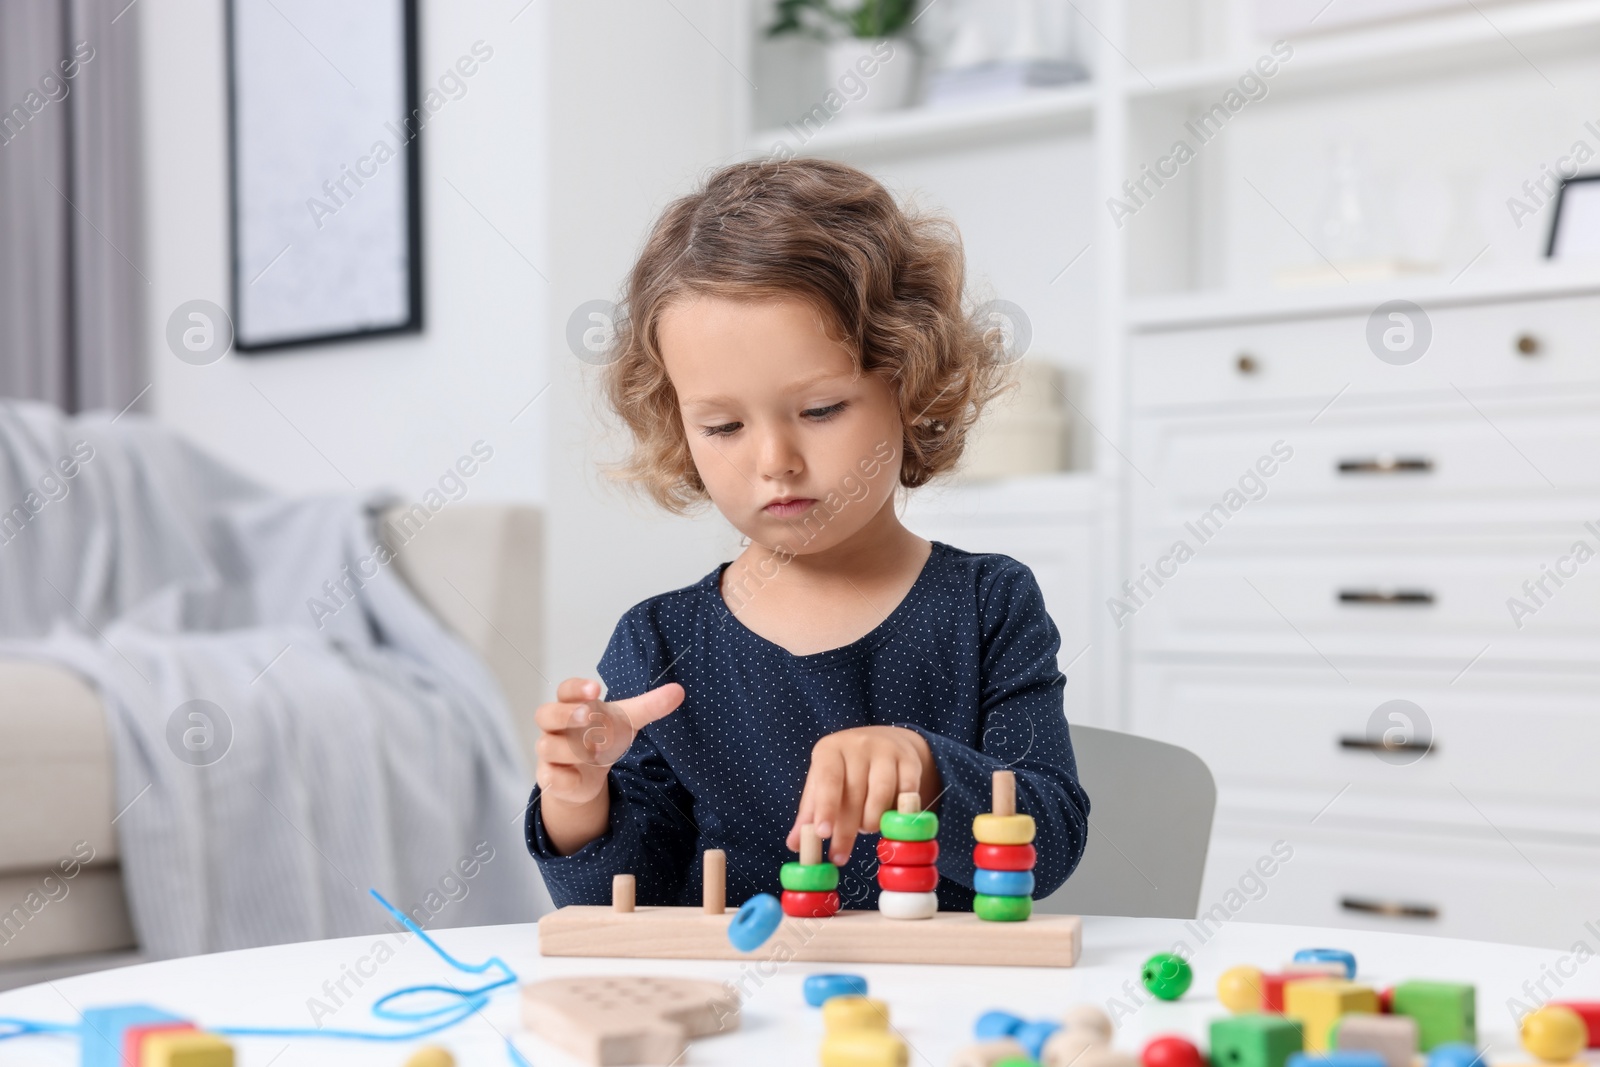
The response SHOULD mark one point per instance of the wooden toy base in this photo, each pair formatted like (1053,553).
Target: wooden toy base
(950,937)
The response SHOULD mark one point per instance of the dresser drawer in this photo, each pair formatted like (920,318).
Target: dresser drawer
(1312,360)
(1506,461)
(1507,750)
(1479,887)
(1443,598)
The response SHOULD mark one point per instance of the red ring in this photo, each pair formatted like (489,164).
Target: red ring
(905,879)
(810,905)
(908,853)
(1004,857)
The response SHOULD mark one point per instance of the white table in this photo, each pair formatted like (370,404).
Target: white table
(933,1007)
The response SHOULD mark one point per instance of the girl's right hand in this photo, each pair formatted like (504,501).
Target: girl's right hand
(582,735)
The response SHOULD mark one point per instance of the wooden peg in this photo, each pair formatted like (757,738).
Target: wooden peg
(810,845)
(714,882)
(1005,793)
(908,803)
(622,890)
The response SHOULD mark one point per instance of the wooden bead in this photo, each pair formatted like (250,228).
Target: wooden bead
(1003,829)
(1554,1033)
(1002,909)
(1004,857)
(1242,990)
(864,1049)
(922,879)
(893,905)
(810,905)
(918,826)
(1067,1045)
(809,877)
(840,1014)
(1090,1019)
(431,1056)
(910,853)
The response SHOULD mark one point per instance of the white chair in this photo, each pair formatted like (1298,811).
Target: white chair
(1150,808)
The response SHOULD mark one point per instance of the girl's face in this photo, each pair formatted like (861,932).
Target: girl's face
(797,450)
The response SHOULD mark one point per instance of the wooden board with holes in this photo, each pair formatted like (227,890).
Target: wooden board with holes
(626,1019)
(848,937)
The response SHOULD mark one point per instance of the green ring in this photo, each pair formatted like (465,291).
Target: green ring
(809,877)
(1002,909)
(915,826)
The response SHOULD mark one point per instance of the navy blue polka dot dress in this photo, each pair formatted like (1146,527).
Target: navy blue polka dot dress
(967,659)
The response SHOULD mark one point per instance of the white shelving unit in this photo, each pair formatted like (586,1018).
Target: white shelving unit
(1454,111)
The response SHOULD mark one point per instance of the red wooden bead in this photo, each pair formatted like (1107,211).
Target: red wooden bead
(1171,1051)
(1386,1000)
(1004,857)
(908,853)
(810,905)
(906,879)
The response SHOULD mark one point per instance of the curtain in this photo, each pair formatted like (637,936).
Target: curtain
(72,276)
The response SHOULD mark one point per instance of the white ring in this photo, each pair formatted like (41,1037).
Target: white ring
(895,905)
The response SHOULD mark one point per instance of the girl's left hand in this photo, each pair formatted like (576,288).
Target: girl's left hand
(855,776)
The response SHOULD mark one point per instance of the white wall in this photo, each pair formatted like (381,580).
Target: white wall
(396,411)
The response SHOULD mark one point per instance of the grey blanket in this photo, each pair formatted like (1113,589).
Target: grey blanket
(288,731)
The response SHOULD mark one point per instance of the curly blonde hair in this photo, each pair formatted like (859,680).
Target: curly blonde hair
(889,281)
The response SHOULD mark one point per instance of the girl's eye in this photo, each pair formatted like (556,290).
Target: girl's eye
(824,414)
(721,431)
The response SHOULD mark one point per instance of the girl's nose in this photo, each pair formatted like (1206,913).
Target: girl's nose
(779,458)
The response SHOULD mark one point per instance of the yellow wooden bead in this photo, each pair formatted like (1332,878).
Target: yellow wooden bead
(842,1014)
(992,829)
(431,1056)
(1240,989)
(863,1048)
(186,1048)
(1554,1033)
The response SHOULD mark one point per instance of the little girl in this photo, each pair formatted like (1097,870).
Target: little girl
(794,349)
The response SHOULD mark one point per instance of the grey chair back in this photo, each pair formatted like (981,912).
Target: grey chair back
(1150,809)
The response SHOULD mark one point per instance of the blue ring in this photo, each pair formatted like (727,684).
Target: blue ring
(1328,955)
(821,987)
(1003,883)
(755,922)
(993,1024)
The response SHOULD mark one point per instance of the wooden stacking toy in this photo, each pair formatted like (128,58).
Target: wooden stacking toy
(628,928)
(1004,856)
(907,861)
(810,887)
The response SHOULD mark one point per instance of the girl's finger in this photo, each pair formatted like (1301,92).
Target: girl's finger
(853,799)
(576,690)
(883,786)
(827,789)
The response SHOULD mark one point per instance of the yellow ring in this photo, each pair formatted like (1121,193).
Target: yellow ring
(992,829)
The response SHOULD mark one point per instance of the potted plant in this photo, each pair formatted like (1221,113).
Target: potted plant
(872,36)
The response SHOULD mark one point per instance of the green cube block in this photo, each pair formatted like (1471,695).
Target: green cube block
(1444,1011)
(1254,1040)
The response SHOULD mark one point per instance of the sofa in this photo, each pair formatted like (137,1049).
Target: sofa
(62,908)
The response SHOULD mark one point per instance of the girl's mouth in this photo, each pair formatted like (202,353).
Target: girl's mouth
(788,509)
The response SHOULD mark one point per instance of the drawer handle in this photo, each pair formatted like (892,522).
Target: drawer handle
(1378,744)
(1246,363)
(1394,598)
(1387,465)
(1527,344)
(1391,908)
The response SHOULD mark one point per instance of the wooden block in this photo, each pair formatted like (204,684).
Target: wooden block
(949,937)
(1318,1003)
(714,882)
(908,803)
(133,1039)
(186,1048)
(622,892)
(1394,1037)
(629,1019)
(810,845)
(1005,793)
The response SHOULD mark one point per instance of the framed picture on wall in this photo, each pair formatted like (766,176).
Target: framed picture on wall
(1575,223)
(326,210)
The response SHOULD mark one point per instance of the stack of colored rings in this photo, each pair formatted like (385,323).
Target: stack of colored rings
(810,886)
(1004,857)
(907,855)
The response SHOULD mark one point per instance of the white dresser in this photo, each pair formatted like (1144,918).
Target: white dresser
(1355,529)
